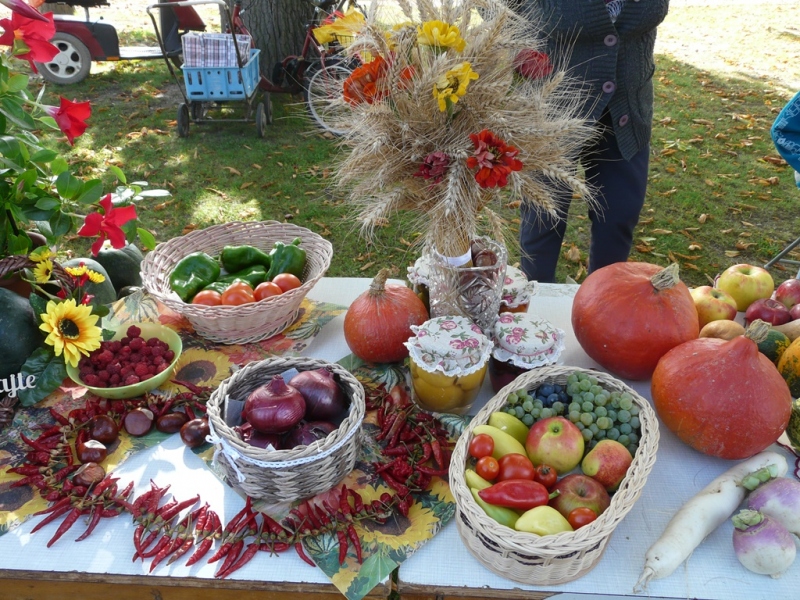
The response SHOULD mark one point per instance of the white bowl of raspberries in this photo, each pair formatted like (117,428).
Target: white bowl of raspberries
(137,359)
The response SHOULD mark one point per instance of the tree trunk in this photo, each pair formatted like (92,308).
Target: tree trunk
(278,28)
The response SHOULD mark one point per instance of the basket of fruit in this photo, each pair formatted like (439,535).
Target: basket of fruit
(238,282)
(287,428)
(545,517)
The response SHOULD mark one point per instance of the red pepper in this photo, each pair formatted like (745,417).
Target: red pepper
(65,525)
(60,419)
(351,533)
(94,519)
(302,554)
(521,494)
(248,554)
(342,536)
(231,556)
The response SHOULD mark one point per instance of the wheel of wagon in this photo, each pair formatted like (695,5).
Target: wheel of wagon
(268,107)
(261,120)
(196,109)
(70,65)
(183,120)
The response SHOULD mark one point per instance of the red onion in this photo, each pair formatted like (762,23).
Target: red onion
(262,440)
(325,400)
(274,407)
(308,433)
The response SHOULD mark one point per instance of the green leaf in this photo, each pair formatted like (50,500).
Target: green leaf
(68,186)
(59,165)
(12,108)
(49,371)
(153,194)
(60,224)
(118,173)
(100,310)
(44,156)
(39,306)
(108,334)
(48,203)
(148,239)
(17,82)
(92,192)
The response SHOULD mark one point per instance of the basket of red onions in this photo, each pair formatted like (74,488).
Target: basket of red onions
(287,428)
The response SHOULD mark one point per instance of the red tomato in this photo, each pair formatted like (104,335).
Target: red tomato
(207,298)
(578,517)
(481,445)
(515,466)
(267,289)
(238,293)
(488,468)
(546,475)
(287,281)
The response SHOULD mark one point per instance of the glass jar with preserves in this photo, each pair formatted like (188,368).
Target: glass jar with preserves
(418,276)
(448,359)
(522,341)
(517,291)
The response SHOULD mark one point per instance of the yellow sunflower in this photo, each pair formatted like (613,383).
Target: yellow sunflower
(71,329)
(452,85)
(40,254)
(417,528)
(440,36)
(201,367)
(76,271)
(43,271)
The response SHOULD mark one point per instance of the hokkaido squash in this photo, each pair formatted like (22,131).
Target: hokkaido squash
(626,316)
(723,398)
(789,367)
(379,321)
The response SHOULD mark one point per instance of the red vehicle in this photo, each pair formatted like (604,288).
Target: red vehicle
(83,40)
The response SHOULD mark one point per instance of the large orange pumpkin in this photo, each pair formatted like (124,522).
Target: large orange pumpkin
(721,397)
(627,315)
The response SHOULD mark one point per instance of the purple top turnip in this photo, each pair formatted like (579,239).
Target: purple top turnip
(762,544)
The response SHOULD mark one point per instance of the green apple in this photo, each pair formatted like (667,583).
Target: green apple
(556,442)
(746,284)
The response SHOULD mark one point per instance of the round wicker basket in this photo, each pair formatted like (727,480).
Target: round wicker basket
(552,559)
(285,475)
(247,322)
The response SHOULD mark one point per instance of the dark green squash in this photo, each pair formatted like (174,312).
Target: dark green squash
(19,332)
(103,292)
(123,265)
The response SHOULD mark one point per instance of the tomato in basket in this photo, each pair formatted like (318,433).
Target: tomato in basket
(238,293)
(267,289)
(287,281)
(207,298)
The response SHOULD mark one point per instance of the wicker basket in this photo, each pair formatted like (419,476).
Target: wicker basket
(247,322)
(285,475)
(553,559)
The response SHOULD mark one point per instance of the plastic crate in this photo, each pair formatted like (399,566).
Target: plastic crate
(223,83)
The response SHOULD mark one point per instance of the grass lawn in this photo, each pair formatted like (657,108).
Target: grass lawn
(719,193)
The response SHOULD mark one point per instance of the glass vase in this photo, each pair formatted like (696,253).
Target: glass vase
(474,291)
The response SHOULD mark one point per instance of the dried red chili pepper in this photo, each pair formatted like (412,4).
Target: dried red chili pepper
(242,560)
(94,518)
(231,554)
(301,552)
(342,536)
(354,539)
(65,525)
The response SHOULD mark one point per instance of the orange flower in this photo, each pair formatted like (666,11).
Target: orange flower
(494,159)
(364,83)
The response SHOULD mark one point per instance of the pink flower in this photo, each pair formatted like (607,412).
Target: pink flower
(434,166)
(493,158)
(476,329)
(70,117)
(457,344)
(513,339)
(471,343)
(28,37)
(506,318)
(107,224)
(518,331)
(448,325)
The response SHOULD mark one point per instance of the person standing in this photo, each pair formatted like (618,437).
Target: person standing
(609,45)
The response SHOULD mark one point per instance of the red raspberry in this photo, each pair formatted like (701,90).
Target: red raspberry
(84,362)
(125,371)
(134,331)
(136,343)
(113,368)
(169,355)
(125,351)
(153,341)
(114,379)
(125,341)
(160,367)
(151,370)
(106,356)
(157,351)
(140,369)
(92,380)
(146,351)
(159,360)
(85,371)
(135,358)
(131,379)
(114,346)
(103,376)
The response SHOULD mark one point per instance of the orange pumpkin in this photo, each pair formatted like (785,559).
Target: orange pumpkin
(626,316)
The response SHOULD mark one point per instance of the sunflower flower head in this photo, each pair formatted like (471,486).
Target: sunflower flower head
(94,276)
(41,253)
(440,36)
(453,85)
(71,329)
(78,271)
(43,271)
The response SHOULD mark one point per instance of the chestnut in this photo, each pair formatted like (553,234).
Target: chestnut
(89,474)
(91,451)
(103,429)
(138,422)
(171,422)
(194,432)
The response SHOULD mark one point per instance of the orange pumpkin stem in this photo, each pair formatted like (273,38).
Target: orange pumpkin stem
(666,278)
(378,285)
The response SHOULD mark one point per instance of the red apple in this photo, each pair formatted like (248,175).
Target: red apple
(746,284)
(794,312)
(788,293)
(769,310)
(576,490)
(713,304)
(557,442)
(607,463)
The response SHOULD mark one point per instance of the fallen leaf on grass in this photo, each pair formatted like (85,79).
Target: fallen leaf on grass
(256,166)
(703,122)
(366,266)
(661,232)
(695,246)
(232,170)
(188,228)
(217,192)
(740,245)
(702,218)
(644,248)
(775,160)
(573,254)
(732,253)
(691,267)
(245,185)
(765,182)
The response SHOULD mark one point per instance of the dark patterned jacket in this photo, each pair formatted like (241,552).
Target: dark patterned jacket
(614,59)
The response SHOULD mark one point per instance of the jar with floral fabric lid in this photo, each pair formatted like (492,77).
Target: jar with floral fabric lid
(517,291)
(418,279)
(522,342)
(448,358)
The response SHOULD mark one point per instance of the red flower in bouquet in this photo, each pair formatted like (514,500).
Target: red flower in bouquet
(533,64)
(29,37)
(364,83)
(493,158)
(20,7)
(434,166)
(70,117)
(107,224)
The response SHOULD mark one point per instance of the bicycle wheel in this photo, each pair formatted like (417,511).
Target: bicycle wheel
(323,87)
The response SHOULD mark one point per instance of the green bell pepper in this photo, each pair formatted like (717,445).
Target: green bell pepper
(237,258)
(252,275)
(287,258)
(217,286)
(192,274)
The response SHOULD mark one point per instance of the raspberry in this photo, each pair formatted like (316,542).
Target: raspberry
(135,358)
(125,341)
(157,351)
(84,362)
(169,355)
(114,346)
(125,371)
(91,380)
(159,360)
(153,341)
(114,379)
(85,371)
(160,367)
(151,370)
(136,343)
(103,376)
(113,368)
(125,351)
(140,370)
(134,331)
(106,356)
(131,379)
(146,351)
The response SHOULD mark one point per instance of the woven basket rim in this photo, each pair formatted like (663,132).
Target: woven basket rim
(283,459)
(563,543)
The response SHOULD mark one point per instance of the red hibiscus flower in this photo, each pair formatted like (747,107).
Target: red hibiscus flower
(29,37)
(433,166)
(70,117)
(20,7)
(107,224)
(364,83)
(493,158)
(532,64)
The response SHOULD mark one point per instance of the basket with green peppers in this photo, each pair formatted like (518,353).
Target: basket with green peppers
(217,256)
(200,271)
